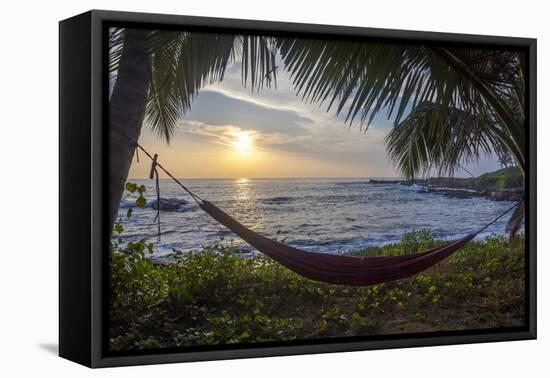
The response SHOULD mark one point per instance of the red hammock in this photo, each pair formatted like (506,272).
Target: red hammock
(338,269)
(323,267)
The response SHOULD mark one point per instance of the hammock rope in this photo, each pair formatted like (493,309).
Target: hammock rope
(324,267)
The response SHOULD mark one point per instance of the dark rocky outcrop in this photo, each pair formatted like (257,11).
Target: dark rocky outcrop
(513,195)
(502,185)
(169,204)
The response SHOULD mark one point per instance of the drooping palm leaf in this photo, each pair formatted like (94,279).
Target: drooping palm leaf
(363,79)
(495,96)
(182,64)
(257,60)
(185,62)
(431,136)
(116,41)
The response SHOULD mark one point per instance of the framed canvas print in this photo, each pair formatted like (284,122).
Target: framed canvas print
(234,188)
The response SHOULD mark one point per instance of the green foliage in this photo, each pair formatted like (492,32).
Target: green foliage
(217,297)
(505,178)
(131,187)
(141,201)
(411,242)
(182,63)
(441,137)
(448,105)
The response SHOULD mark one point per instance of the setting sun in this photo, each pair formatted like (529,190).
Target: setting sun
(242,142)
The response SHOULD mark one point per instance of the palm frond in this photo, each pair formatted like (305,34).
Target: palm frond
(183,63)
(363,79)
(495,96)
(435,137)
(116,41)
(258,60)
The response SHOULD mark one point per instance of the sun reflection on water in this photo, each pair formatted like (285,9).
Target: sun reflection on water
(245,197)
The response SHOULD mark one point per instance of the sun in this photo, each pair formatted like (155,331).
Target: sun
(242,141)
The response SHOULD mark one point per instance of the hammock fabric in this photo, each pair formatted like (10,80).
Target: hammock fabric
(323,267)
(338,269)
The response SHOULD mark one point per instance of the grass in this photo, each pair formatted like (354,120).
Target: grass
(218,297)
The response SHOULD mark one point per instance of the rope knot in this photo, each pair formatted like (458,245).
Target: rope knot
(154,174)
(153,167)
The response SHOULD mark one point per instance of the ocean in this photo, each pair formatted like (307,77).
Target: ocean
(318,215)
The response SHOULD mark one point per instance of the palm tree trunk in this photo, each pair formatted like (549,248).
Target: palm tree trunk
(127,111)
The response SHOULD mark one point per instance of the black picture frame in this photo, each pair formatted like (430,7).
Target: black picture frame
(83,235)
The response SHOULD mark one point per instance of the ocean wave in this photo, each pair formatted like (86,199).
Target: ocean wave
(127,204)
(277,200)
(414,188)
(222,233)
(339,197)
(345,183)
(309,225)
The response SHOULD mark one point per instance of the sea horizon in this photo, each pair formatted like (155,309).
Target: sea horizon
(295,178)
(332,215)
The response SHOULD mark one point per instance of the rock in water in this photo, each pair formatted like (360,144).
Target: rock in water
(169,204)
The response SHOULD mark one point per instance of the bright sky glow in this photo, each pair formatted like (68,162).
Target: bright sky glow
(243,142)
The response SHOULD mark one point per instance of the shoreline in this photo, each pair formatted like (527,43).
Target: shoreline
(441,186)
(505,184)
(371,250)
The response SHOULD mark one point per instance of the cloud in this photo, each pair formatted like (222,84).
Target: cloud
(279,122)
(218,134)
(217,108)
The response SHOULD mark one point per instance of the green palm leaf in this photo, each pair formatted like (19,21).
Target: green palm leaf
(435,137)
(182,63)
(185,62)
(363,79)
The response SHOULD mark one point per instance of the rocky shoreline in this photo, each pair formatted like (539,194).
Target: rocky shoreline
(513,195)
(445,187)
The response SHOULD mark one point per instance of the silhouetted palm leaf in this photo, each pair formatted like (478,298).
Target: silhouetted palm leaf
(432,137)
(363,79)
(184,62)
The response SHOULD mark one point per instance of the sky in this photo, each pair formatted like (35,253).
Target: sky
(232,132)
